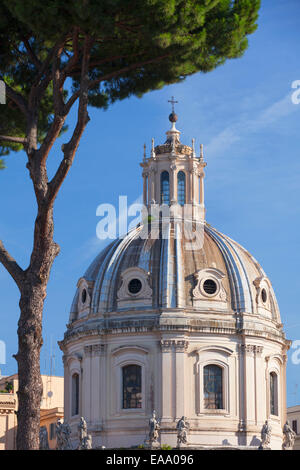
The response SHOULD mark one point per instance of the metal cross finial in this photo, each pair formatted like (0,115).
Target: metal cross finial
(172,101)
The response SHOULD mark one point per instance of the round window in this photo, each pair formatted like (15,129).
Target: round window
(134,286)
(83,296)
(264,295)
(210,286)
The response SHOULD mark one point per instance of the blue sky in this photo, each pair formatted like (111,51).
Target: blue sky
(243,114)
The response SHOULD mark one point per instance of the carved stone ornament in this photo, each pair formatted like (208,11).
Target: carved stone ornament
(44,442)
(214,275)
(289,437)
(262,285)
(266,433)
(195,169)
(94,350)
(251,349)
(63,433)
(179,345)
(85,439)
(154,428)
(182,428)
(84,298)
(145,292)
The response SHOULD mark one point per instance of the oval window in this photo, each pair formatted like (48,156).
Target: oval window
(264,295)
(83,296)
(210,286)
(134,286)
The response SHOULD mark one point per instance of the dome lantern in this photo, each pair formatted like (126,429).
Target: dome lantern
(174,175)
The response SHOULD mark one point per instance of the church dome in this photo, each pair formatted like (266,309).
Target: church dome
(178,318)
(216,274)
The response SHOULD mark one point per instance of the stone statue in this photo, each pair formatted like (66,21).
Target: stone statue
(82,432)
(85,439)
(154,428)
(44,443)
(266,435)
(289,436)
(63,432)
(87,442)
(182,430)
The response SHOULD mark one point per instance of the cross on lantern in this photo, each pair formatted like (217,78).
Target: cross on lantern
(172,101)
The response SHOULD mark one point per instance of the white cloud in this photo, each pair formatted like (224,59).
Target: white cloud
(264,118)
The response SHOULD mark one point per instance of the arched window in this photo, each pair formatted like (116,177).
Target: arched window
(273,394)
(132,386)
(213,387)
(75,394)
(181,188)
(164,188)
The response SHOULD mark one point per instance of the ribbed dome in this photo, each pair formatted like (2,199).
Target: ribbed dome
(186,308)
(175,274)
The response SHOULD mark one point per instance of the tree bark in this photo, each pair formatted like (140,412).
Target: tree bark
(33,294)
(28,358)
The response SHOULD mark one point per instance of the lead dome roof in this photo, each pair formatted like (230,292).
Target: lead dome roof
(172,271)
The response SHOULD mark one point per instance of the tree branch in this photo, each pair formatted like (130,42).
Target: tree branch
(59,115)
(16,98)
(94,83)
(17,140)
(32,55)
(11,265)
(74,59)
(70,148)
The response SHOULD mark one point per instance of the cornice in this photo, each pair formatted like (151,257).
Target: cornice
(146,324)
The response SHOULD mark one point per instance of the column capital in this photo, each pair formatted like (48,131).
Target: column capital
(94,350)
(181,345)
(251,349)
(99,349)
(167,345)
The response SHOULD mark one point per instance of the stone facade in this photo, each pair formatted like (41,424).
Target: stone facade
(293,416)
(195,309)
(51,409)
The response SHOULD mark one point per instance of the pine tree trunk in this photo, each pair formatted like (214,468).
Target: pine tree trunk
(28,358)
(33,294)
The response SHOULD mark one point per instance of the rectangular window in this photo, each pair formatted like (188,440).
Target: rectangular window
(294,426)
(213,387)
(132,386)
(52,431)
(75,394)
(273,394)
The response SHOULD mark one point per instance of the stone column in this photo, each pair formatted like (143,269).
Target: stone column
(96,371)
(248,350)
(248,388)
(190,187)
(152,196)
(195,174)
(167,381)
(180,350)
(283,390)
(242,395)
(267,379)
(173,183)
(145,189)
(201,189)
(259,386)
(87,384)
(67,394)
(149,189)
